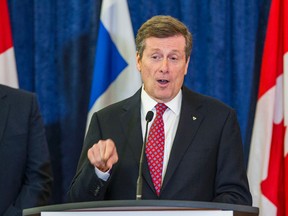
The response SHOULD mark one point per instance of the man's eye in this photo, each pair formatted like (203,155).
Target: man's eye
(155,57)
(173,58)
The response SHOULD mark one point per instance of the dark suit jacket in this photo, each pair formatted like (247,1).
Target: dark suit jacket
(25,172)
(206,160)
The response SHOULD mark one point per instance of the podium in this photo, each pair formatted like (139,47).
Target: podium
(143,208)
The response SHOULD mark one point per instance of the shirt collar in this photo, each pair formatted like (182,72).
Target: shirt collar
(148,103)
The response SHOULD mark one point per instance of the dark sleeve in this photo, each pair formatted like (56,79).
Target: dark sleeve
(86,186)
(37,182)
(231,185)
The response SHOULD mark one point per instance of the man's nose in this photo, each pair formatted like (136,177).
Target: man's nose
(164,66)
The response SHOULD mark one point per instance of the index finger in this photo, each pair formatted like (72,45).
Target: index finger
(109,149)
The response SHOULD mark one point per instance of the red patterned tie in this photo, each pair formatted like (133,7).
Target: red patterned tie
(155,147)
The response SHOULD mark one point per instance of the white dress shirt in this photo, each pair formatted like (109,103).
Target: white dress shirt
(170,117)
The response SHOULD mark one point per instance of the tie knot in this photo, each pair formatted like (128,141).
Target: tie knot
(160,108)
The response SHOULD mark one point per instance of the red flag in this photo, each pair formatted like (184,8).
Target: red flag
(268,160)
(8,73)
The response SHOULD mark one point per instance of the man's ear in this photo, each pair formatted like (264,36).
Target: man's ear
(138,62)
(187,65)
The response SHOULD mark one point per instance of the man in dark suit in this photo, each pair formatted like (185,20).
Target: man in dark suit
(202,159)
(25,170)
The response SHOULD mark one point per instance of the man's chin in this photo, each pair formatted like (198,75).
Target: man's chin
(163,98)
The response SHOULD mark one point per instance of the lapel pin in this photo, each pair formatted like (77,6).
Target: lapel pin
(194,118)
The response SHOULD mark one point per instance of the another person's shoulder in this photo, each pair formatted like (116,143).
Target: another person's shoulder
(18,98)
(17,95)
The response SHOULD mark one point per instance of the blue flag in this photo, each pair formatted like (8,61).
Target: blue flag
(115,74)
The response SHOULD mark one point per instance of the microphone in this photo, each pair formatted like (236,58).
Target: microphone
(149,117)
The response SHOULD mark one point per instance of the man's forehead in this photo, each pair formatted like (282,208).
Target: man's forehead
(173,37)
(176,44)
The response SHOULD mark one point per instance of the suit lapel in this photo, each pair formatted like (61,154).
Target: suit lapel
(4,108)
(131,122)
(189,122)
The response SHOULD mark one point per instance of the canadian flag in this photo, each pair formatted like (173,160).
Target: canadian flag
(8,72)
(268,159)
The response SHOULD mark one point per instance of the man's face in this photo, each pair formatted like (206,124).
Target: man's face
(163,67)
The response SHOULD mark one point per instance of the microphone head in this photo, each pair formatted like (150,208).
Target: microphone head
(149,116)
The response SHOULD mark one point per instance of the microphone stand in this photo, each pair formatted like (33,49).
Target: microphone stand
(149,117)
